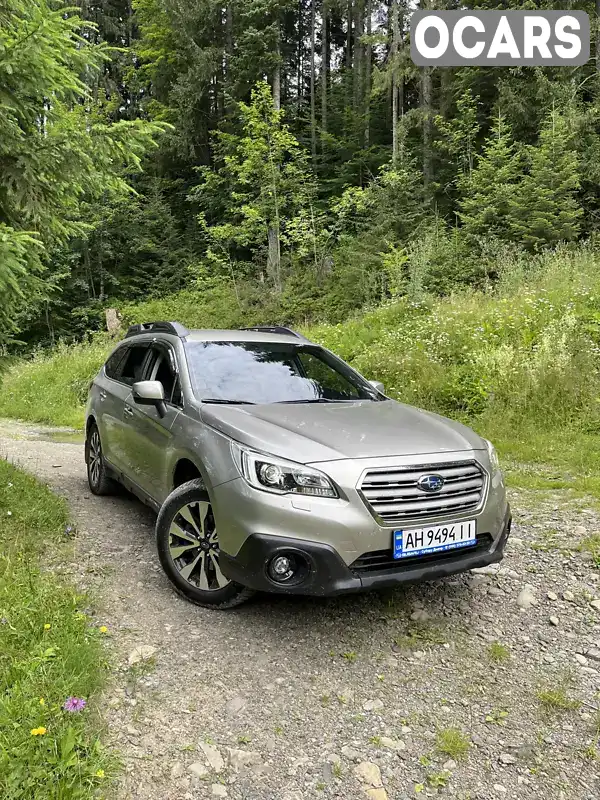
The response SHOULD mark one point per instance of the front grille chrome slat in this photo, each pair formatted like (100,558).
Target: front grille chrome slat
(454,487)
(380,477)
(393,494)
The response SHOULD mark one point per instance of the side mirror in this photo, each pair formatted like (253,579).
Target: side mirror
(378,385)
(150,393)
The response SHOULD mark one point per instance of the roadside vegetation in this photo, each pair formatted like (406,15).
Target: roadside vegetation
(52,661)
(518,361)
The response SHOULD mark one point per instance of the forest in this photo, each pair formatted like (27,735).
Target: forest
(270,160)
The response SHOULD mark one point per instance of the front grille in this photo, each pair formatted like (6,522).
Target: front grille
(378,560)
(393,494)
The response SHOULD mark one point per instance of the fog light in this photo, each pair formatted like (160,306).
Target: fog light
(282,568)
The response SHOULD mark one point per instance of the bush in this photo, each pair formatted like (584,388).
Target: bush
(48,652)
(524,351)
(52,387)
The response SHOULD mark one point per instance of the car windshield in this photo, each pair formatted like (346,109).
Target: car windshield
(259,372)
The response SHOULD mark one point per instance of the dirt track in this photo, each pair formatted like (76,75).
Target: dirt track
(286,699)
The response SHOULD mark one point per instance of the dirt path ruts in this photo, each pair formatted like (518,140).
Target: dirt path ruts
(286,699)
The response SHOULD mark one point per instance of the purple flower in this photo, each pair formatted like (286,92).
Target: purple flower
(74,704)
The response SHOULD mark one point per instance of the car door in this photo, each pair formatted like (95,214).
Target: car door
(149,437)
(114,387)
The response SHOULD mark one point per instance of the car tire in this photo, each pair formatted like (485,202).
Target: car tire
(188,549)
(98,478)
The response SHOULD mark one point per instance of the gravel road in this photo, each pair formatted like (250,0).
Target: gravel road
(454,688)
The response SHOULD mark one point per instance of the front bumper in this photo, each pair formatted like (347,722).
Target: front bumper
(328,574)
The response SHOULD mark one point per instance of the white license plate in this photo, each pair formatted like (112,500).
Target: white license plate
(437,538)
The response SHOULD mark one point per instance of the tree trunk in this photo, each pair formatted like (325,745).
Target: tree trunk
(368,57)
(274,257)
(313,115)
(88,270)
(597,27)
(299,50)
(277,73)
(228,49)
(358,55)
(49,324)
(229,32)
(325,72)
(395,35)
(349,55)
(426,104)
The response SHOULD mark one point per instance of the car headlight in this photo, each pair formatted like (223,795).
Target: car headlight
(494,461)
(272,474)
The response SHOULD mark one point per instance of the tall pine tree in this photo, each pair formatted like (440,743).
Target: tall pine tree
(545,210)
(485,209)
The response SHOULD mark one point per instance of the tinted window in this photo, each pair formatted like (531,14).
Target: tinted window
(131,372)
(164,372)
(271,373)
(112,366)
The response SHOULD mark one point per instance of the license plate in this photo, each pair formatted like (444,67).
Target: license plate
(437,538)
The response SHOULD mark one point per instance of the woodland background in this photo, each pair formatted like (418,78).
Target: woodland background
(270,161)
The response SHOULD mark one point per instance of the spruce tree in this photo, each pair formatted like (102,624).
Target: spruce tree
(485,209)
(545,210)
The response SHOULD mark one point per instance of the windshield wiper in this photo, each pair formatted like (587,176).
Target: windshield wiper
(312,400)
(227,402)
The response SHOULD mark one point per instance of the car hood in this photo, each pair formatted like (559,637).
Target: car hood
(307,432)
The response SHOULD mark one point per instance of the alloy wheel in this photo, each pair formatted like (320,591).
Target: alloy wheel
(194,547)
(95,458)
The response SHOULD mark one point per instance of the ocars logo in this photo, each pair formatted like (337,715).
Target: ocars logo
(499,38)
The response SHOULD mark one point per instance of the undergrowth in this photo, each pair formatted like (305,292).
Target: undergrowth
(49,652)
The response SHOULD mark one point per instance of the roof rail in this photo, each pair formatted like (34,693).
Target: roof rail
(275,329)
(174,328)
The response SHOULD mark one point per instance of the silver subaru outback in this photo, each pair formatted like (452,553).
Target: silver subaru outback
(275,466)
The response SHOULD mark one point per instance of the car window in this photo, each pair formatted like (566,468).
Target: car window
(257,372)
(113,365)
(162,369)
(132,369)
(336,386)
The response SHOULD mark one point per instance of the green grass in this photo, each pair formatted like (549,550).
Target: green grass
(419,635)
(52,388)
(591,544)
(48,652)
(555,698)
(498,652)
(452,742)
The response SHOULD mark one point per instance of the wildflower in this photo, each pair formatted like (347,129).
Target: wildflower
(38,731)
(103,629)
(47,626)
(100,773)
(42,701)
(74,704)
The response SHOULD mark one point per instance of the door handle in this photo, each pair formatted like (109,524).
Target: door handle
(102,394)
(128,411)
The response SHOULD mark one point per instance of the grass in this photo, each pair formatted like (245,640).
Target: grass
(48,652)
(52,387)
(498,652)
(555,698)
(591,544)
(453,743)
(420,634)
(497,716)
